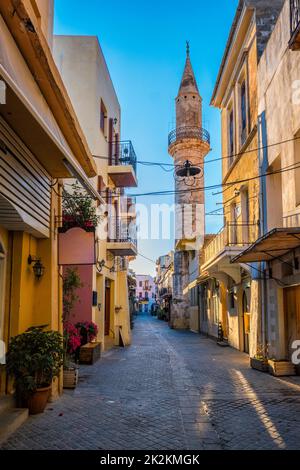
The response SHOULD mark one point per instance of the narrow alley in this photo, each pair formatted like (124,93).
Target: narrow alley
(170,390)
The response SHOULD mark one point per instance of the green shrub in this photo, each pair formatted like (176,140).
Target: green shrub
(34,359)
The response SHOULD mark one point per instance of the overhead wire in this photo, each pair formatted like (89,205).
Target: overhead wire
(230,156)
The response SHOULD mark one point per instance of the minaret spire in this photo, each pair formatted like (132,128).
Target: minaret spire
(188,82)
(187,48)
(188,100)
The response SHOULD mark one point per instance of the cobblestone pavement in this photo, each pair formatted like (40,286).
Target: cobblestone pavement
(169,390)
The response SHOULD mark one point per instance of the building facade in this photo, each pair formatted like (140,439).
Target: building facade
(103,297)
(188,145)
(145,292)
(278,248)
(231,293)
(40,142)
(164,282)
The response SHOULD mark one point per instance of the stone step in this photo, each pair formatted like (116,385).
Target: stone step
(6,403)
(10,421)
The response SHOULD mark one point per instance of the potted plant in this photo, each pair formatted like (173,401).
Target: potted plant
(34,359)
(72,339)
(79,210)
(72,342)
(260,360)
(90,350)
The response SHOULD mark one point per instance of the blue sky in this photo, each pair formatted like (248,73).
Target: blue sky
(144,46)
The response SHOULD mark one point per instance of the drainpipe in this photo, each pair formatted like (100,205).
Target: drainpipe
(263,228)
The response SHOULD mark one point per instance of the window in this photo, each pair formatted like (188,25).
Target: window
(103,118)
(245,215)
(140,295)
(243,112)
(194,297)
(215,302)
(141,284)
(231,136)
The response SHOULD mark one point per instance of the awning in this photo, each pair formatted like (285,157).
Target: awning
(275,244)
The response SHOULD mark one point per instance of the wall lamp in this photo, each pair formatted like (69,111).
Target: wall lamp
(37,267)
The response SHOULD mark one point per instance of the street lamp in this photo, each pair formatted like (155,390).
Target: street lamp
(38,267)
(188,172)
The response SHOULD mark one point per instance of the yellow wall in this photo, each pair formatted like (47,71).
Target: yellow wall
(30,302)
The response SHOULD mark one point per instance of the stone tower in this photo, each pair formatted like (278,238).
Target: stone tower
(188,142)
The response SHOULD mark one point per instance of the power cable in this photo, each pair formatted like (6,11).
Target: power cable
(233,155)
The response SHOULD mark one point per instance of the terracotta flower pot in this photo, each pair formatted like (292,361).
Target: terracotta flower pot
(38,400)
(70,377)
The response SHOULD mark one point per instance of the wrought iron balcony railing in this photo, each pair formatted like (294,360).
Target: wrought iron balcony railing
(189,133)
(122,153)
(295,24)
(122,231)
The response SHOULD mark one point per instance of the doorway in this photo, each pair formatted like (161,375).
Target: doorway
(246,323)
(291,318)
(107,327)
(2,287)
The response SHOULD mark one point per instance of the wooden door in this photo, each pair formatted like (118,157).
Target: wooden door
(110,142)
(291,317)
(246,323)
(107,311)
(225,326)
(2,272)
(117,149)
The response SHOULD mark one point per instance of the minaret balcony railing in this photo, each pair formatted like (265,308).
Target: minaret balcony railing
(189,132)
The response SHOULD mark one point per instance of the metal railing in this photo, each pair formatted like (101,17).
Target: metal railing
(122,153)
(122,231)
(291,221)
(295,16)
(189,132)
(232,235)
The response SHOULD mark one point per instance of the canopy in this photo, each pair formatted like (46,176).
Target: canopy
(275,244)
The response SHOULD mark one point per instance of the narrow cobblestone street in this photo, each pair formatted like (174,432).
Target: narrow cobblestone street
(169,390)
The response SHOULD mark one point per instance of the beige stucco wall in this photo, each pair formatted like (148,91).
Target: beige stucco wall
(278,82)
(82,65)
(278,98)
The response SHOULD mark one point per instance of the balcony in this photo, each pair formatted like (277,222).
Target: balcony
(122,237)
(291,221)
(229,242)
(294,43)
(122,164)
(128,207)
(183,133)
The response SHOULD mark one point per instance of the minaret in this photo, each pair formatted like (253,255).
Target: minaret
(188,142)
